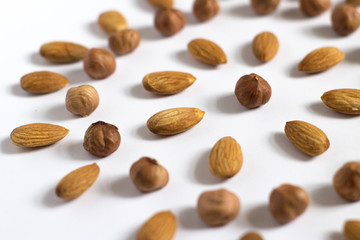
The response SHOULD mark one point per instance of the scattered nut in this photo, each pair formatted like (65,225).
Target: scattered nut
(148,175)
(252,91)
(99,63)
(124,42)
(346,181)
(218,207)
(251,236)
(207,51)
(314,7)
(82,100)
(287,202)
(112,22)
(63,52)
(263,7)
(346,101)
(352,230)
(43,82)
(265,46)
(161,3)
(169,21)
(102,139)
(353,2)
(205,9)
(345,19)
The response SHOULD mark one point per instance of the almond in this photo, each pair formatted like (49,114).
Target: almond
(168,82)
(37,134)
(265,46)
(351,230)
(225,158)
(175,120)
(306,137)
(162,3)
(63,52)
(161,226)
(43,82)
(345,101)
(77,182)
(321,59)
(112,22)
(207,51)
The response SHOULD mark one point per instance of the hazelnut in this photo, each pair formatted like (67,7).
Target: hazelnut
(346,181)
(147,175)
(99,63)
(314,7)
(205,9)
(352,230)
(263,7)
(251,236)
(287,202)
(252,91)
(82,100)
(169,21)
(218,207)
(112,22)
(101,139)
(345,19)
(124,42)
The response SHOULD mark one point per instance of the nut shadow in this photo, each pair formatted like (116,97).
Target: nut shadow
(189,219)
(228,103)
(145,6)
(281,141)
(326,196)
(37,59)
(51,200)
(321,109)
(260,217)
(138,91)
(202,173)
(293,14)
(18,91)
(248,56)
(335,236)
(243,11)
(77,152)
(149,33)
(59,113)
(124,187)
(145,134)
(295,73)
(77,76)
(185,57)
(8,148)
(324,31)
(95,29)
(353,56)
(191,20)
(131,236)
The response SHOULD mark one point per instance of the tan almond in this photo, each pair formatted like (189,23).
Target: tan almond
(265,46)
(345,101)
(43,82)
(37,134)
(321,59)
(175,120)
(63,52)
(351,230)
(225,159)
(308,138)
(162,3)
(77,182)
(167,82)
(112,22)
(207,51)
(161,226)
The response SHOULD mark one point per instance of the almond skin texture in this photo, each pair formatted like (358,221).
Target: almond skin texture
(306,137)
(225,159)
(264,7)
(352,230)
(77,182)
(63,52)
(252,236)
(321,59)
(207,51)
(175,120)
(169,21)
(161,3)
(124,42)
(345,19)
(99,63)
(204,10)
(346,101)
(346,181)
(265,46)
(82,100)
(168,82)
(314,7)
(43,82)
(112,22)
(37,134)
(288,202)
(161,226)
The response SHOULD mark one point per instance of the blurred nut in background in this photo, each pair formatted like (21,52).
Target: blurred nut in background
(314,7)
(161,3)
(112,22)
(353,2)
(346,181)
(63,52)
(345,19)
(205,9)
(124,42)
(352,230)
(251,236)
(82,100)
(99,63)
(169,21)
(263,7)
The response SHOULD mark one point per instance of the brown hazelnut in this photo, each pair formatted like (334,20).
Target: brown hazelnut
(218,207)
(148,175)
(353,2)
(352,230)
(124,41)
(346,181)
(169,21)
(101,139)
(99,63)
(287,202)
(82,100)
(251,236)
(263,7)
(314,7)
(252,91)
(205,9)
(112,22)
(345,19)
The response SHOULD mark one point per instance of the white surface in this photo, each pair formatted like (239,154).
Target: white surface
(113,209)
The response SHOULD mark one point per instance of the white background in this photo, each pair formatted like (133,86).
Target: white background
(112,209)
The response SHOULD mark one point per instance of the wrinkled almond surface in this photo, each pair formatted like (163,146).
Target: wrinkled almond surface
(345,101)
(175,120)
(43,82)
(207,51)
(168,82)
(63,52)
(265,46)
